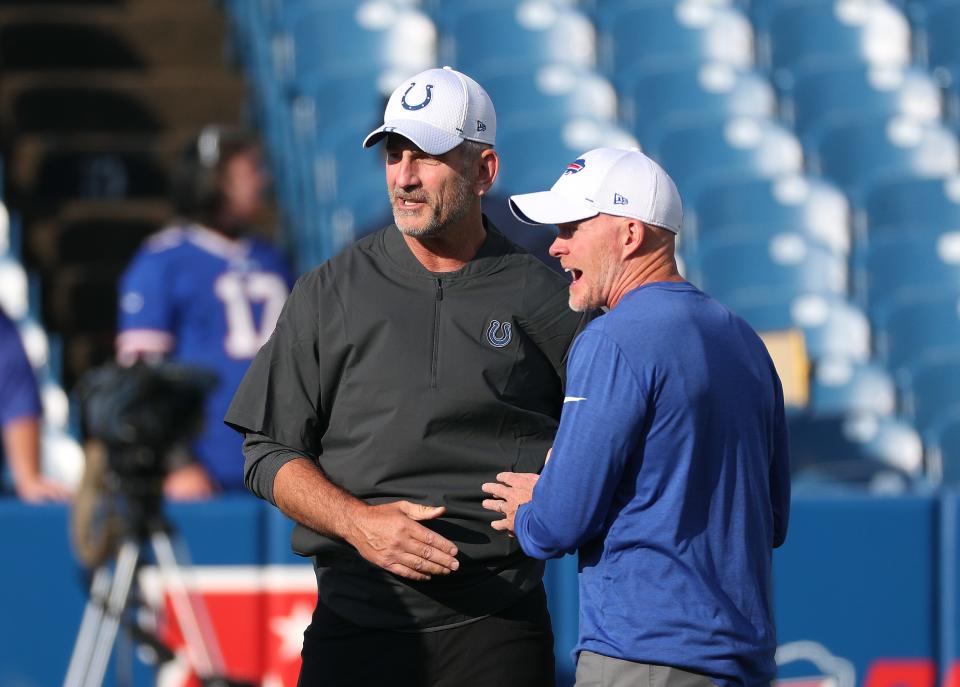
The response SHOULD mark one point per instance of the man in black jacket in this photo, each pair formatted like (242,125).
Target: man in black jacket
(402,374)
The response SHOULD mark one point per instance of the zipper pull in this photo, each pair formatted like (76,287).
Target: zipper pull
(439,289)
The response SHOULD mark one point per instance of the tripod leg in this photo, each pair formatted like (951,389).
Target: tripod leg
(192,616)
(116,603)
(89,626)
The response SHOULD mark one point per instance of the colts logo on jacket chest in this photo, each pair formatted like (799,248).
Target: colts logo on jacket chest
(498,334)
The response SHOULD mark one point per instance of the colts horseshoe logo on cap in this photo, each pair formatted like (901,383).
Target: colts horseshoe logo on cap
(426,101)
(499,334)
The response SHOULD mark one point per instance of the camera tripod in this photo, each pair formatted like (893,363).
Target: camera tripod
(110,596)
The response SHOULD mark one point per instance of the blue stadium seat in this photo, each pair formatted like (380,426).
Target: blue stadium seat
(804,36)
(349,190)
(550,95)
(659,101)
(859,155)
(840,386)
(899,267)
(832,327)
(482,40)
(13,288)
(942,25)
(345,38)
(743,271)
(533,157)
(943,442)
(658,34)
(933,393)
(906,204)
(740,148)
(917,329)
(832,96)
(863,449)
(763,207)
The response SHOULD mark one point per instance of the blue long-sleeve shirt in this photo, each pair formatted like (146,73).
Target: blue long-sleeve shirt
(670,474)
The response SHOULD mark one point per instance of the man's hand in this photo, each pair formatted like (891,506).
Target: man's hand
(511,490)
(390,537)
(42,490)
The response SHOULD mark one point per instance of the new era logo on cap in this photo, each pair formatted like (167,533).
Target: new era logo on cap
(612,181)
(435,109)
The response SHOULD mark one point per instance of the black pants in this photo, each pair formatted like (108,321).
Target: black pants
(512,648)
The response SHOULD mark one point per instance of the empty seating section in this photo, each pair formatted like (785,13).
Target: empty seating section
(814,143)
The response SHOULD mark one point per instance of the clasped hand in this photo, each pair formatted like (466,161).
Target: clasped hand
(391,537)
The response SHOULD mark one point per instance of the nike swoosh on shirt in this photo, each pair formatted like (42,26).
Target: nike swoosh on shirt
(574,399)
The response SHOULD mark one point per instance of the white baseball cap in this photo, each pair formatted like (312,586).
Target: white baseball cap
(438,109)
(613,181)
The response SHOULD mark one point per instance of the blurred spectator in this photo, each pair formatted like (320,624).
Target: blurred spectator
(20,417)
(204,291)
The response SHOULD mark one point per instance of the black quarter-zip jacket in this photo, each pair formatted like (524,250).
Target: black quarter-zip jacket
(407,384)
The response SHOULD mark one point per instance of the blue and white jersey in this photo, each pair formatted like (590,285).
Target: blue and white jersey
(200,298)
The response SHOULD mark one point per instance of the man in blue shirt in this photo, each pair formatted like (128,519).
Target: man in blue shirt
(205,292)
(20,416)
(669,471)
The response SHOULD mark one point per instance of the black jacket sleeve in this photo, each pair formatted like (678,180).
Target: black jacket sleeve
(286,392)
(551,324)
(262,459)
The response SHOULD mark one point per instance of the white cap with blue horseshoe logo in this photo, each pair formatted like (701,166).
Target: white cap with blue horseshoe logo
(437,110)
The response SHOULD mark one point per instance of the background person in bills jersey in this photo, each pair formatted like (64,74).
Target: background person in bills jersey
(204,291)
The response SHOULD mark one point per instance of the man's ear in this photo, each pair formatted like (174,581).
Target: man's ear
(633,232)
(488,166)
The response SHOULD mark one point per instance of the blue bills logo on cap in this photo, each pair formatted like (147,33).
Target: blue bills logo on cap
(576,166)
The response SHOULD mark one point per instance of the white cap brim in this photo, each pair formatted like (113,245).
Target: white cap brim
(550,207)
(426,137)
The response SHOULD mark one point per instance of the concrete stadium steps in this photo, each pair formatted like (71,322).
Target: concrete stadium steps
(39,37)
(119,102)
(95,165)
(85,232)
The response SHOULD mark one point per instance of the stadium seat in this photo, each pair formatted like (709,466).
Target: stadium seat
(13,288)
(763,207)
(534,157)
(35,342)
(658,101)
(740,148)
(347,38)
(4,227)
(840,386)
(832,326)
(858,155)
(943,451)
(933,392)
(637,38)
(784,265)
(837,95)
(483,40)
(941,26)
(918,328)
(897,267)
(804,36)
(550,95)
(875,452)
(908,204)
